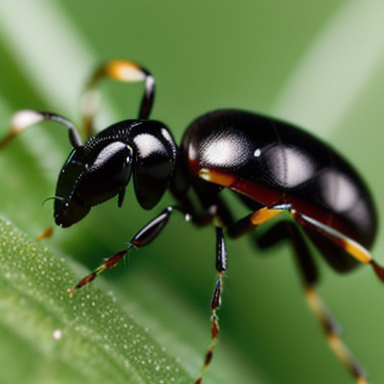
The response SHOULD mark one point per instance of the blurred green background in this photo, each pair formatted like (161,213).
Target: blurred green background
(319,64)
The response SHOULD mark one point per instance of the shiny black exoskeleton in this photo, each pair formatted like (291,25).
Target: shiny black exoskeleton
(275,168)
(274,163)
(102,167)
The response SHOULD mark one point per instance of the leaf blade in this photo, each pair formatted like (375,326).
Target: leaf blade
(87,333)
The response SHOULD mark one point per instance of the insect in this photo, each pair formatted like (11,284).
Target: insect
(282,174)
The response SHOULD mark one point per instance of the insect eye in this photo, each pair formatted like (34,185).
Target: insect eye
(107,175)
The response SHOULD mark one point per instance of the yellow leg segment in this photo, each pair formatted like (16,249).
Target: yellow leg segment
(332,331)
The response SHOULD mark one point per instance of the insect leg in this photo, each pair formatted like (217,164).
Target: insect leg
(316,304)
(327,321)
(253,220)
(289,230)
(332,331)
(24,119)
(221,266)
(353,248)
(309,271)
(145,236)
(121,70)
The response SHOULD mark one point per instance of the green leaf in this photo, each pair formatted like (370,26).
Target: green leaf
(59,338)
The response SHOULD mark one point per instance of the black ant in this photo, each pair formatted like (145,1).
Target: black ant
(272,166)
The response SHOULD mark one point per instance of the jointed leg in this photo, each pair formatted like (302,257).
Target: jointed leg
(145,236)
(353,248)
(26,118)
(327,321)
(121,70)
(350,246)
(221,266)
(309,272)
(253,220)
(289,230)
(332,331)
